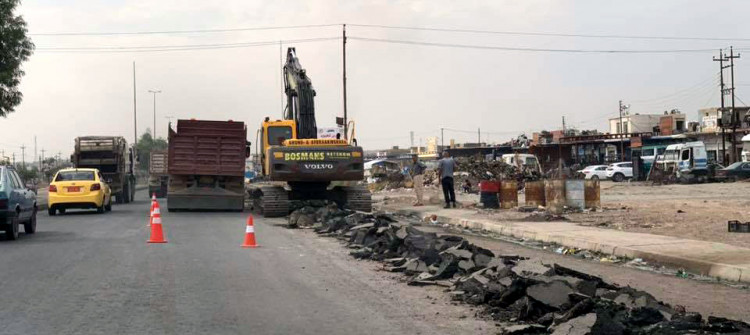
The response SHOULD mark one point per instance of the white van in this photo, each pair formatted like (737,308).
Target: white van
(687,160)
(529,161)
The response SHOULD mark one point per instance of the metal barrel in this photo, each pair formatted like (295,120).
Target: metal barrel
(592,193)
(489,199)
(554,192)
(508,194)
(535,193)
(574,194)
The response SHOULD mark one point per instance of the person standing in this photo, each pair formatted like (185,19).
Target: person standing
(417,176)
(446,166)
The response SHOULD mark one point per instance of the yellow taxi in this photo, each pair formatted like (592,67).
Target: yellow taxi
(79,188)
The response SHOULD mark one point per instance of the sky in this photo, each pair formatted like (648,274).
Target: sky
(393,88)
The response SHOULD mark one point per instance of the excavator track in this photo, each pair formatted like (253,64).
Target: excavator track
(358,198)
(272,202)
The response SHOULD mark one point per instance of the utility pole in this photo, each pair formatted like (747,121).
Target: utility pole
(35,152)
(479,137)
(14,158)
(622,135)
(281,76)
(41,161)
(442,142)
(721,87)
(563,119)
(135,120)
(411,136)
(346,122)
(154,92)
(23,156)
(735,115)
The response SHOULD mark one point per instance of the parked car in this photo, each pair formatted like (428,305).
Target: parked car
(79,188)
(17,204)
(594,172)
(733,172)
(620,171)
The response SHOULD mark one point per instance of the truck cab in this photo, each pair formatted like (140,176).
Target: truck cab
(746,148)
(523,161)
(686,160)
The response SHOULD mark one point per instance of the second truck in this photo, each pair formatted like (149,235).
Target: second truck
(298,165)
(114,159)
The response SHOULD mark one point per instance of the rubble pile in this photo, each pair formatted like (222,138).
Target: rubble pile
(390,181)
(480,169)
(524,295)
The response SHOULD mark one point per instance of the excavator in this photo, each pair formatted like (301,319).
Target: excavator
(296,164)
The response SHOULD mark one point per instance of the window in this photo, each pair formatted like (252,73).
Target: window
(746,166)
(685,155)
(647,152)
(101,178)
(277,135)
(660,151)
(670,155)
(531,161)
(601,168)
(626,165)
(75,175)
(17,183)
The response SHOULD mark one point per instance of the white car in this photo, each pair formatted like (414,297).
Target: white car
(594,172)
(620,171)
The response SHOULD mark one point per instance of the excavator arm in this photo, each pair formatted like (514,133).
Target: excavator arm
(300,96)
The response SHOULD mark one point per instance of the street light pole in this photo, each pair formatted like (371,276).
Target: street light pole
(154,92)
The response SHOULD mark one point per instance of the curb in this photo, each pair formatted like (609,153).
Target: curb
(718,270)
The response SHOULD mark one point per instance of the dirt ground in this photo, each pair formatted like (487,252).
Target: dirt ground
(698,211)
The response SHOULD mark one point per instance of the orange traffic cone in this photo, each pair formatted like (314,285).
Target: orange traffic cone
(151,211)
(157,236)
(250,234)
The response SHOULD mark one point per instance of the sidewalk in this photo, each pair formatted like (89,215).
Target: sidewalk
(708,258)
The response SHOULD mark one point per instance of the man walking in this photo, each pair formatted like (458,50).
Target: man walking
(446,166)
(417,177)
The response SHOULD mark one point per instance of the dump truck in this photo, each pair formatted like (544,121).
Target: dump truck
(158,177)
(206,165)
(300,166)
(113,157)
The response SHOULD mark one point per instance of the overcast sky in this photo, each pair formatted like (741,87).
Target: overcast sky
(393,88)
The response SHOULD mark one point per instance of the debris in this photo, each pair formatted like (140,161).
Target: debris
(527,296)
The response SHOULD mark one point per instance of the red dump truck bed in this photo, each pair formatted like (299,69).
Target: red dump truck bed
(206,165)
(200,147)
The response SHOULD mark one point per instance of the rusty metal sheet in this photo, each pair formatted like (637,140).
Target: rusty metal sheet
(592,193)
(554,192)
(534,192)
(199,147)
(508,194)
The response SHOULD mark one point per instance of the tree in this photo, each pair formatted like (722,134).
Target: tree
(147,143)
(15,48)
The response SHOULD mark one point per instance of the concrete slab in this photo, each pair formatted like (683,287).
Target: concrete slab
(707,258)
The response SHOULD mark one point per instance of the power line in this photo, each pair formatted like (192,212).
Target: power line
(713,79)
(159,48)
(487,47)
(521,33)
(194,31)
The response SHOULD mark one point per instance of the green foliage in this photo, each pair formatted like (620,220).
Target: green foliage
(15,48)
(147,143)
(28,173)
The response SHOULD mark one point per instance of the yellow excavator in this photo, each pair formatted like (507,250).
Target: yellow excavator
(298,165)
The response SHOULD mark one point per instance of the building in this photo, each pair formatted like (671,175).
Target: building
(673,122)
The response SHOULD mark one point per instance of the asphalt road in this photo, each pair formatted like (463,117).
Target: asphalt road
(86,273)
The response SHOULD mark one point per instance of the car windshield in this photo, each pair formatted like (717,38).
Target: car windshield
(75,175)
(734,166)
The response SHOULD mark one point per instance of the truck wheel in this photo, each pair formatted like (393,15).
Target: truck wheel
(618,177)
(51,211)
(132,192)
(11,229)
(30,227)
(118,198)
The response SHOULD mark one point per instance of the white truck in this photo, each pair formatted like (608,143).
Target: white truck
(688,161)
(746,148)
(521,161)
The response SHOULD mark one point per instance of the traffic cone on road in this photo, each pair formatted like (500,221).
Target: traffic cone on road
(157,235)
(151,211)
(250,234)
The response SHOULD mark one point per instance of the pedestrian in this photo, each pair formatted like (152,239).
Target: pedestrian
(417,177)
(446,166)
